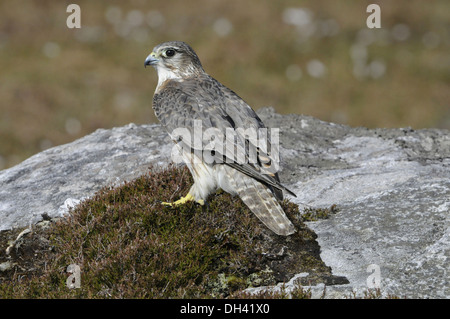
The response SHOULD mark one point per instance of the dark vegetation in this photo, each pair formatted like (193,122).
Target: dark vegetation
(129,245)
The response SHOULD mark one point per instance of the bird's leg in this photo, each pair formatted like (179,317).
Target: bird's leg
(183,200)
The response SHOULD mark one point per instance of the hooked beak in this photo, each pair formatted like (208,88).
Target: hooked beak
(151,59)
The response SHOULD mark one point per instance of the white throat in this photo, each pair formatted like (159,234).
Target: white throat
(165,74)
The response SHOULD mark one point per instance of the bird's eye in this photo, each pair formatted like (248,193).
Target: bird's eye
(170,52)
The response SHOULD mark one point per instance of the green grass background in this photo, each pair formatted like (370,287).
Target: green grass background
(313,57)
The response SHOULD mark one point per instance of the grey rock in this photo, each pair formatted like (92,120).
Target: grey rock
(393,190)
(392,187)
(54,180)
(5,266)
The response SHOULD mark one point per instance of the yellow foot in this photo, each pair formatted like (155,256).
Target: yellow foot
(183,200)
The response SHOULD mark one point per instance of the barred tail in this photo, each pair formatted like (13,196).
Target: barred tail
(263,204)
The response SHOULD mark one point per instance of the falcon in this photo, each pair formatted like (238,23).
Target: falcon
(186,96)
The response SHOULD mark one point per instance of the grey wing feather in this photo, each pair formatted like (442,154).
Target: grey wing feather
(219,107)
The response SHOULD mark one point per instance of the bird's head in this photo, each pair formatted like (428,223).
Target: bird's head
(174,60)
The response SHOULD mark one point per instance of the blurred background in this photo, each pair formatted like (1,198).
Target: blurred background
(307,57)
